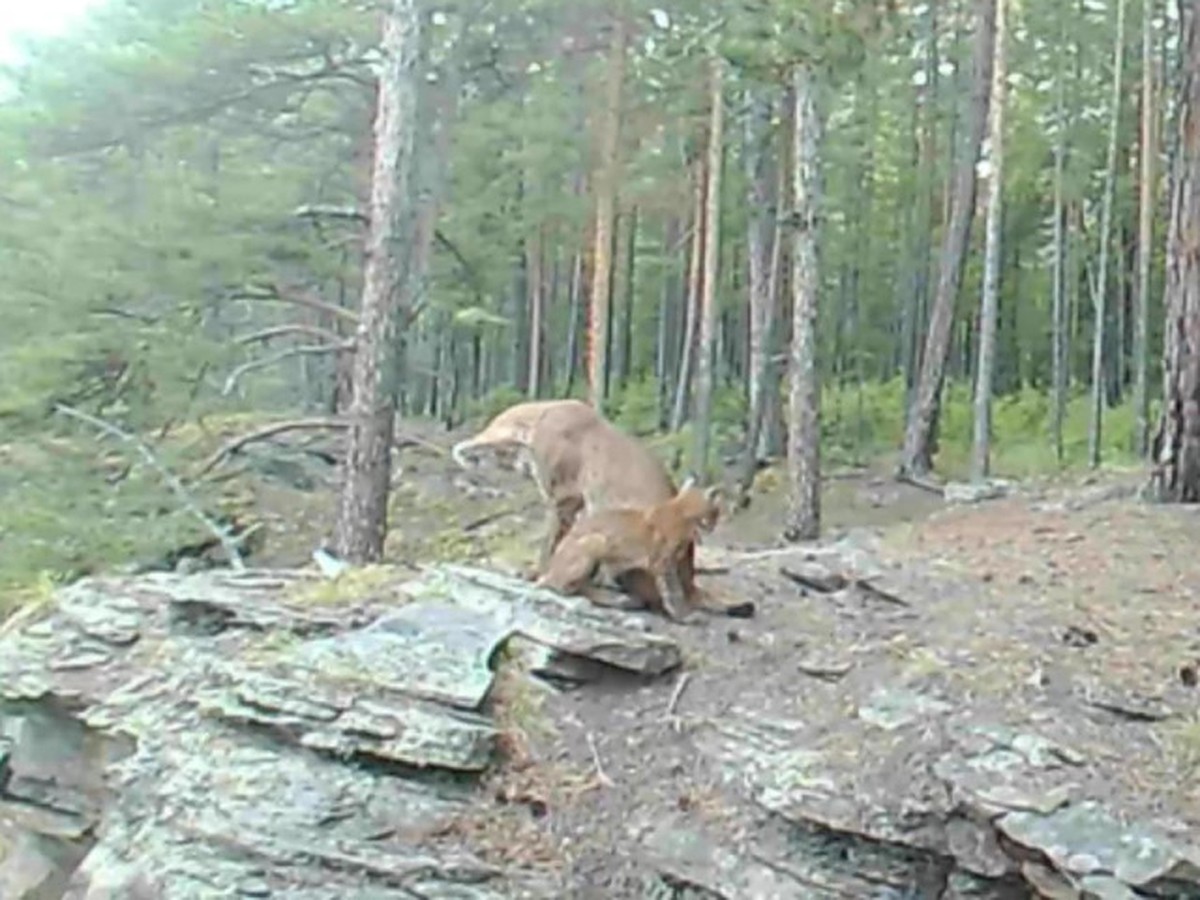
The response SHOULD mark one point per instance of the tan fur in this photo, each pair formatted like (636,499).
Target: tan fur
(581,463)
(646,543)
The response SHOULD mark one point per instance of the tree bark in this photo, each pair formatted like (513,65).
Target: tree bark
(687,351)
(759,224)
(627,291)
(712,244)
(533,273)
(989,303)
(1058,325)
(362,506)
(664,338)
(606,200)
(1145,248)
(804,398)
(916,456)
(1176,475)
(1100,297)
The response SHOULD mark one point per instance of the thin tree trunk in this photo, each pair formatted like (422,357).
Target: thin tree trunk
(754,445)
(574,310)
(606,199)
(758,233)
(804,398)
(1058,328)
(362,505)
(533,269)
(666,316)
(916,457)
(1176,475)
(1145,248)
(1100,298)
(692,306)
(989,303)
(712,238)
(778,289)
(627,291)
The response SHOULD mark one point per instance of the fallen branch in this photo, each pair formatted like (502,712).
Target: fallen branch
(601,776)
(233,446)
(330,423)
(229,542)
(267,361)
(680,683)
(923,484)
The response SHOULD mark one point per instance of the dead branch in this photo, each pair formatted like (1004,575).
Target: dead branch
(921,483)
(283,294)
(680,683)
(330,211)
(118,312)
(233,446)
(601,776)
(265,334)
(267,361)
(229,541)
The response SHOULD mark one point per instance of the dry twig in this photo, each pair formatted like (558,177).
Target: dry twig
(229,542)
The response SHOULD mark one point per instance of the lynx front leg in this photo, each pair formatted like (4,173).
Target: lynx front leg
(674,598)
(573,565)
(559,519)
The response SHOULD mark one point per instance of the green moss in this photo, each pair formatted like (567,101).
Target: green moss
(349,586)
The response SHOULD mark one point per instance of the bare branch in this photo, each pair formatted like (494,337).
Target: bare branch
(330,211)
(324,334)
(296,296)
(119,313)
(229,541)
(267,361)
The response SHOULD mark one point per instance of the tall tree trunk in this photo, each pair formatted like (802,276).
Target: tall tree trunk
(687,352)
(362,505)
(913,316)
(627,286)
(916,457)
(574,310)
(533,270)
(1145,249)
(803,520)
(1100,297)
(989,303)
(606,200)
(759,223)
(664,339)
(779,290)
(712,247)
(1058,325)
(1176,475)
(756,438)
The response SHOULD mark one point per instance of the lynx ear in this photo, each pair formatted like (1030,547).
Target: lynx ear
(689,482)
(713,493)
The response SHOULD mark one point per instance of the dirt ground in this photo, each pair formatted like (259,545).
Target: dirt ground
(1070,605)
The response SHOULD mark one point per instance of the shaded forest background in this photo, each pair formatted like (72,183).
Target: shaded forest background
(184,185)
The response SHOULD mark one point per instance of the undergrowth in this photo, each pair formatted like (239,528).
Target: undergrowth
(70,504)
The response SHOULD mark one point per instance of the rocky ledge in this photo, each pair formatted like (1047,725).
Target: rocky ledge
(212,735)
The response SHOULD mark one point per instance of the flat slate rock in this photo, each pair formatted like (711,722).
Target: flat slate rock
(188,736)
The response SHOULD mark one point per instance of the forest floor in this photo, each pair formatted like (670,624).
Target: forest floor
(1068,607)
